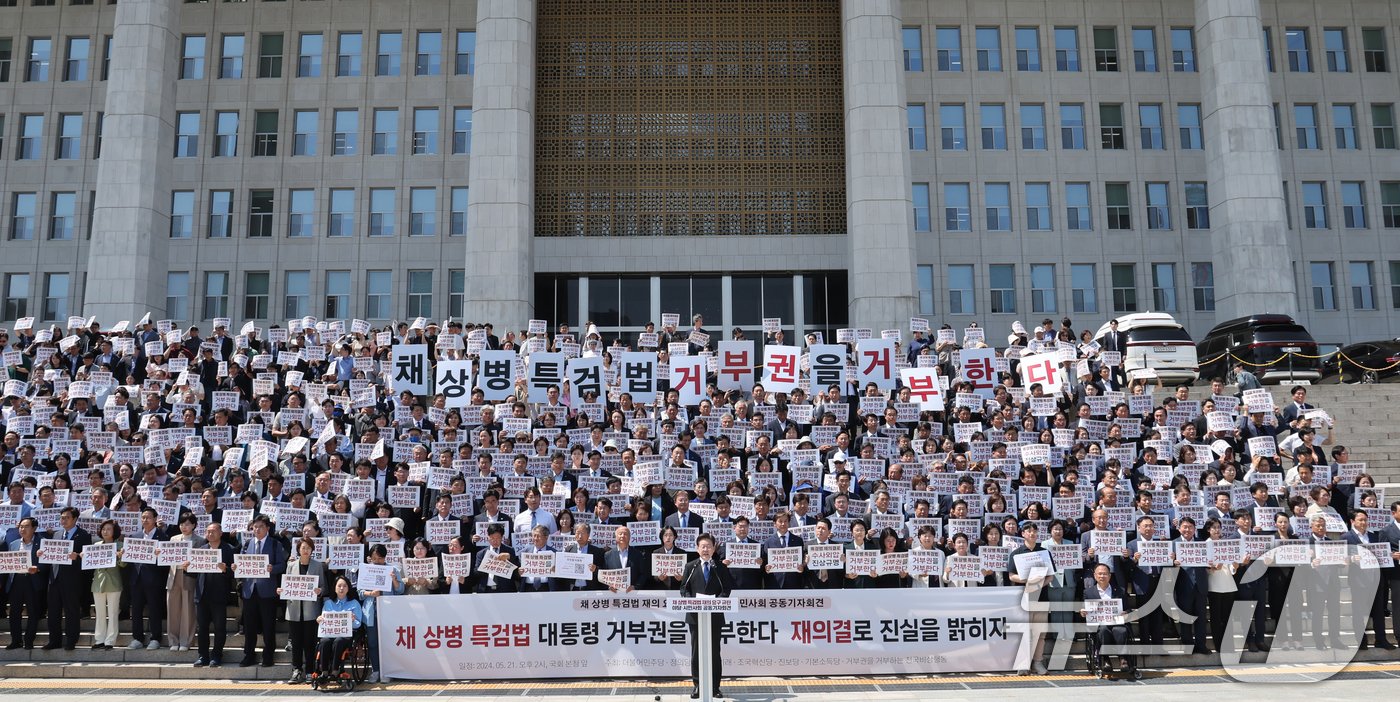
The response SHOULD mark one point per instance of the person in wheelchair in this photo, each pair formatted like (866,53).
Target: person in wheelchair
(331,650)
(1115,635)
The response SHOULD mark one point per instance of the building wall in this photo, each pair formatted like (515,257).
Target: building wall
(937,248)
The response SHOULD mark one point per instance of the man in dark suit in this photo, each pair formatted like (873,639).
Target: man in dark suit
(147,585)
(211,593)
(622,555)
(1358,535)
(1144,581)
(1191,590)
(705,576)
(1324,589)
(539,543)
(26,590)
(744,578)
(1115,341)
(1390,533)
(683,517)
(782,539)
(582,534)
(1102,587)
(260,594)
(1296,407)
(779,426)
(824,579)
(495,548)
(68,593)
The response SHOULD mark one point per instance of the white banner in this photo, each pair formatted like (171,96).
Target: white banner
(571,635)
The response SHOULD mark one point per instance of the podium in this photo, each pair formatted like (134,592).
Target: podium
(698,606)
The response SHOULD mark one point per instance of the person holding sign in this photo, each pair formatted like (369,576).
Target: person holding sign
(1222,588)
(704,577)
(26,590)
(147,584)
(67,598)
(495,550)
(622,555)
(259,594)
(369,599)
(302,615)
(1031,567)
(179,591)
(211,593)
(332,648)
(1116,634)
(106,589)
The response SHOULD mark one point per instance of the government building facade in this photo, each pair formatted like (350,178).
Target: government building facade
(833,163)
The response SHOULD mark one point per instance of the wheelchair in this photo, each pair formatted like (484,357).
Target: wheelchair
(1098,662)
(354,667)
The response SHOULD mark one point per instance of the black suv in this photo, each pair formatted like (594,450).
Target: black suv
(1272,346)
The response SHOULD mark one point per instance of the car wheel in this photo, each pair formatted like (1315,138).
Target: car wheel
(1369,377)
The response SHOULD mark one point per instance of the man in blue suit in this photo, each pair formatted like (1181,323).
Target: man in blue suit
(1191,590)
(260,594)
(211,592)
(782,539)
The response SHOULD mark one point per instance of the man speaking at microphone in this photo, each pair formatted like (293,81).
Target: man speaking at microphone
(705,576)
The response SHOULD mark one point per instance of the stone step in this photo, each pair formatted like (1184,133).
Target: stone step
(142,671)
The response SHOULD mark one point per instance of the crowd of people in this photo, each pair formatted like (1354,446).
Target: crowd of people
(171,448)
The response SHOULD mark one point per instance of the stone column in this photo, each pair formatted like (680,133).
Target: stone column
(127,264)
(1249,232)
(500,236)
(879,212)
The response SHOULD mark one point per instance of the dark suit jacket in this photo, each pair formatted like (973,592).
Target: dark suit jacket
(744,578)
(145,575)
(782,581)
(266,588)
(21,585)
(215,587)
(598,563)
(636,560)
(502,584)
(721,582)
(692,520)
(70,579)
(1391,534)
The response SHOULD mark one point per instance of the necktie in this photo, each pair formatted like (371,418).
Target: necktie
(534,517)
(706,569)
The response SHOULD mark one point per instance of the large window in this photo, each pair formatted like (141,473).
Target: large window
(918,131)
(1043,288)
(386,132)
(466,53)
(270,55)
(177,295)
(40,56)
(255,294)
(1159,213)
(1027,49)
(948,43)
(1038,207)
(1203,286)
(456,291)
(1373,49)
(381,212)
(1344,126)
(337,294)
(921,207)
(1124,287)
(309,50)
(425,131)
(262,212)
(1164,287)
(1119,209)
(301,213)
(1299,53)
(1363,285)
(913,48)
(70,137)
(215,294)
(998,207)
(304,126)
(462,130)
(1354,205)
(16,296)
(1083,288)
(1183,50)
(346,132)
(296,302)
(926,295)
(225,134)
(1033,127)
(460,200)
(952,121)
(63,216)
(182,214)
(192,57)
(1188,117)
(349,54)
(1067,49)
(993,125)
(187,135)
(422,214)
(957,207)
(379,294)
(749,140)
(988,49)
(1078,215)
(1305,118)
(231,58)
(1151,133)
(1072,126)
(75,64)
(1003,288)
(1144,50)
(427,60)
(1334,41)
(961,298)
(341,221)
(388,58)
(24,208)
(220,214)
(1323,285)
(420,293)
(1197,206)
(1315,205)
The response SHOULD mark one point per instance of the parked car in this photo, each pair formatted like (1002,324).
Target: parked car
(1273,346)
(1353,360)
(1155,340)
